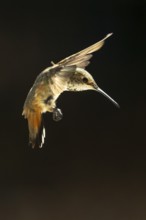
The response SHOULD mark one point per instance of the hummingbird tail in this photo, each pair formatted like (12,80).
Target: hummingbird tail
(36,127)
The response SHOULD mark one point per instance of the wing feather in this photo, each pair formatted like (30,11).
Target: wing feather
(80,59)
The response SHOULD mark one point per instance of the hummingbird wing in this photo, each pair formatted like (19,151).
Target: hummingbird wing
(81,59)
(58,77)
(59,71)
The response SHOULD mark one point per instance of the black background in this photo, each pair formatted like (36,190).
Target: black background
(93,163)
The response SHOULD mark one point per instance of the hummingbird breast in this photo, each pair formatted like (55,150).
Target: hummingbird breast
(40,96)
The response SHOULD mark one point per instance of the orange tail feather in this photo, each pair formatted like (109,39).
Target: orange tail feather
(36,128)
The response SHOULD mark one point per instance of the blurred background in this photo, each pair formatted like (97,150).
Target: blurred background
(93,163)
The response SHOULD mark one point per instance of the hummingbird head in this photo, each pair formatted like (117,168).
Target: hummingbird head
(82,80)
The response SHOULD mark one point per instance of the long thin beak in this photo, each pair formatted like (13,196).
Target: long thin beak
(107,96)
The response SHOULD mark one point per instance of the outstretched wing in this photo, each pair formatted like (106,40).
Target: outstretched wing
(81,59)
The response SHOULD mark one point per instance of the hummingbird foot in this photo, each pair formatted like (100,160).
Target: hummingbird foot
(57,114)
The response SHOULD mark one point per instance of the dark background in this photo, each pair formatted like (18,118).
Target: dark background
(93,163)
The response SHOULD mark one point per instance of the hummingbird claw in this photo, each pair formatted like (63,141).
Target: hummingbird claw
(57,114)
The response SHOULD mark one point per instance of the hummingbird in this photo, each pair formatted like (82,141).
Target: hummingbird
(68,74)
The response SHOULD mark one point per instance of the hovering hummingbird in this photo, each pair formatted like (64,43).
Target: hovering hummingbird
(67,75)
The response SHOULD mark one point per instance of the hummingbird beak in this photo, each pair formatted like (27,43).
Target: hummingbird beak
(106,95)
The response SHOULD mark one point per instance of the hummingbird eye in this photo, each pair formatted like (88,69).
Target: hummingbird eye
(85,80)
